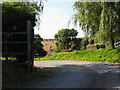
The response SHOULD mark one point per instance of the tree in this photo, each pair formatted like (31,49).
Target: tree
(98,19)
(16,13)
(88,16)
(65,38)
(77,44)
(108,23)
(38,46)
(85,41)
(14,18)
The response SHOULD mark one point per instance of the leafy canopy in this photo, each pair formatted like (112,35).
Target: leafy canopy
(65,38)
(16,12)
(98,19)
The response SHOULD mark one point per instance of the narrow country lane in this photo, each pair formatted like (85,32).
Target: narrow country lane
(79,74)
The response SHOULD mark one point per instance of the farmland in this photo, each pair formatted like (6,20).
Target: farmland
(46,45)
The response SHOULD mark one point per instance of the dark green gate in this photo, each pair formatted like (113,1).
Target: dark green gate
(19,44)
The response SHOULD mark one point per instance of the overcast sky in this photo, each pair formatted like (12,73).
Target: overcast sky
(55,17)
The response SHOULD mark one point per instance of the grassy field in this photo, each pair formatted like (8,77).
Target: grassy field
(46,45)
(101,55)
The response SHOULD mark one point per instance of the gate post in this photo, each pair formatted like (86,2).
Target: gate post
(29,46)
(0,46)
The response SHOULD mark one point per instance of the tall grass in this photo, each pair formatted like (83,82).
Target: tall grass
(102,55)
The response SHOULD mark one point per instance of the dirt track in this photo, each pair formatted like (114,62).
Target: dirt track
(79,74)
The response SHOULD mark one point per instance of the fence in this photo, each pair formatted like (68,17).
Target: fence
(117,44)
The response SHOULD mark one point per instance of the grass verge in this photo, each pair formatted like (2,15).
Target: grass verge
(101,55)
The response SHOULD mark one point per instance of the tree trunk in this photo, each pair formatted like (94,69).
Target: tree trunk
(112,42)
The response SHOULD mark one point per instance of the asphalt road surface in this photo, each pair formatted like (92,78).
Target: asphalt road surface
(79,74)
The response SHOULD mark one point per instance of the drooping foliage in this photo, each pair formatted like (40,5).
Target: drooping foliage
(109,23)
(84,42)
(99,19)
(88,16)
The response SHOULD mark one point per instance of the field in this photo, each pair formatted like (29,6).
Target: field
(46,45)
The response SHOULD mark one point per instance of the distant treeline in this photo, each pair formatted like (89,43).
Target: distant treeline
(49,39)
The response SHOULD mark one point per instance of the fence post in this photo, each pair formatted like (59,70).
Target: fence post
(32,43)
(0,46)
(29,46)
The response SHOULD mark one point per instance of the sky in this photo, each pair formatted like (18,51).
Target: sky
(56,15)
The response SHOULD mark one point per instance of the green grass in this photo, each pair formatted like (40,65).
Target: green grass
(9,58)
(101,55)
